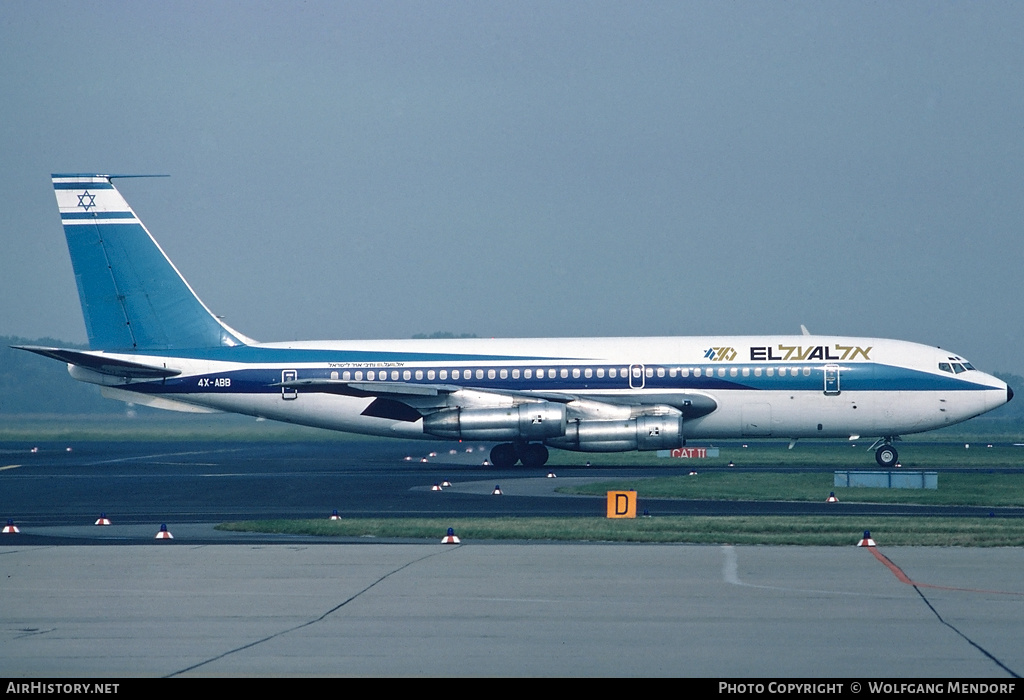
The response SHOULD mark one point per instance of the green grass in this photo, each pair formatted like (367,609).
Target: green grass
(830,454)
(771,530)
(955,488)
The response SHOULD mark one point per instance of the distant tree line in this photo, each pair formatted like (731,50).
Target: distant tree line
(443,335)
(33,384)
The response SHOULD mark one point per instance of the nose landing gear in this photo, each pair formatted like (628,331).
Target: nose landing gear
(886,454)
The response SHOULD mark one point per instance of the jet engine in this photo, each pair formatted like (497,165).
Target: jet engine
(528,421)
(658,432)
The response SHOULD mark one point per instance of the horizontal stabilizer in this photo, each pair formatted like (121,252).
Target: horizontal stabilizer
(97,362)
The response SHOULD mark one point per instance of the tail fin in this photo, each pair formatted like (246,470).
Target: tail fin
(133,298)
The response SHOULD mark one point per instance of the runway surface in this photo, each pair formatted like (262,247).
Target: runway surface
(509,610)
(220,604)
(173,483)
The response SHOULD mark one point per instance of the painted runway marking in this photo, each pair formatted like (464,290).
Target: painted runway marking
(903,578)
(164,454)
(10,466)
(730,574)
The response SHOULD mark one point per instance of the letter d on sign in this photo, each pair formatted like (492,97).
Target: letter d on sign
(622,504)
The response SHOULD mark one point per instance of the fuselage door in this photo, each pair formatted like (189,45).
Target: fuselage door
(289,393)
(636,377)
(831,380)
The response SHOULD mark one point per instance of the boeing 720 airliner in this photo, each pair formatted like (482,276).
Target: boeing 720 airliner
(153,342)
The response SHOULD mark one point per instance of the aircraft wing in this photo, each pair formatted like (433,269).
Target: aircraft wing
(389,389)
(690,405)
(98,362)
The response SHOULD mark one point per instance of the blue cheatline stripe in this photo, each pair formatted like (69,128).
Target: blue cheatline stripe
(260,380)
(82,186)
(97,215)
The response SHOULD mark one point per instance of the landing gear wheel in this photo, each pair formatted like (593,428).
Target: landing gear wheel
(533,455)
(504,455)
(886,456)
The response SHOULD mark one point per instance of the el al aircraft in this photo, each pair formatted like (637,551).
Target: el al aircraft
(153,342)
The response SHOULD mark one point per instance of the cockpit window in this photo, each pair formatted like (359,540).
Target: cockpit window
(957,367)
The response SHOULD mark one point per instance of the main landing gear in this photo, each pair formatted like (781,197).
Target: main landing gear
(508,453)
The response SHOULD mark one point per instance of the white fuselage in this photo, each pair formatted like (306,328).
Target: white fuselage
(757,386)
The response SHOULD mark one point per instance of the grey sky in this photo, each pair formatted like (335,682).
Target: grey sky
(367,170)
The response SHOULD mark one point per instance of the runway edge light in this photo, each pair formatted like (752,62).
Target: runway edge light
(831,497)
(334,515)
(10,528)
(866,541)
(102,520)
(496,491)
(450,538)
(164,534)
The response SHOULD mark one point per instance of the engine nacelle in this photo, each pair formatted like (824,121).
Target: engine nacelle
(529,421)
(662,432)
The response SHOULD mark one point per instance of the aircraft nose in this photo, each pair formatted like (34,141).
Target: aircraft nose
(1009,393)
